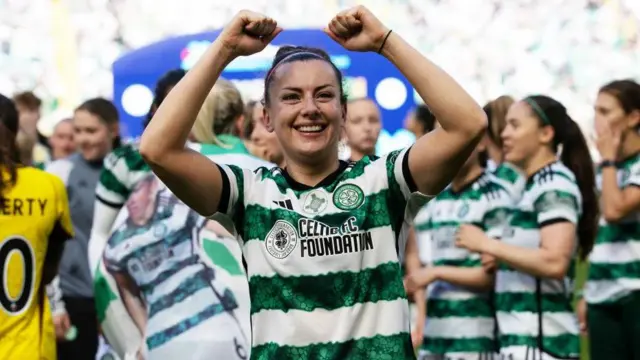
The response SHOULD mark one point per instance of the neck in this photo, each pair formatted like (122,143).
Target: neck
(312,174)
(465,176)
(543,158)
(357,155)
(630,146)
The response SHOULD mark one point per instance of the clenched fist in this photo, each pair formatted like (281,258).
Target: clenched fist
(357,29)
(249,33)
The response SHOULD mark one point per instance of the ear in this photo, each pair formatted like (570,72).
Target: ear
(344,113)
(114,129)
(266,120)
(633,119)
(546,134)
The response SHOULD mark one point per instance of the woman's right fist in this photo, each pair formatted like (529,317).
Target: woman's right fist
(249,33)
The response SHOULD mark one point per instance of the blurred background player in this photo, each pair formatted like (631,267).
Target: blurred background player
(34,225)
(362,128)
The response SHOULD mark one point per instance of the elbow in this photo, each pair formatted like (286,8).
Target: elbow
(556,270)
(149,152)
(477,124)
(612,215)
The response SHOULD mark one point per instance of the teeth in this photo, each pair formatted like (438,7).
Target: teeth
(310,128)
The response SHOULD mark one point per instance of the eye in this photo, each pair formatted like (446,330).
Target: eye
(290,97)
(326,95)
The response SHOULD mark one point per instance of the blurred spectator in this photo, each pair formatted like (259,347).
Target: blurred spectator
(362,127)
(420,120)
(28,105)
(61,140)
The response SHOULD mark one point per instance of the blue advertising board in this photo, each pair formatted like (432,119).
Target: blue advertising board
(366,74)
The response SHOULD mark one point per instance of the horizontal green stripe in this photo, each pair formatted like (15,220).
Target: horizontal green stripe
(393,347)
(467,262)
(612,271)
(621,232)
(528,302)
(523,219)
(507,173)
(447,346)
(329,291)
(373,213)
(469,308)
(112,183)
(564,345)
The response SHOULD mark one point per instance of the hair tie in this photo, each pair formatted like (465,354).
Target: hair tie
(538,110)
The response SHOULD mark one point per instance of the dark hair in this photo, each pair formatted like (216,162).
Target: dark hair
(496,111)
(576,156)
(9,154)
(165,82)
(289,54)
(27,99)
(627,92)
(105,111)
(425,117)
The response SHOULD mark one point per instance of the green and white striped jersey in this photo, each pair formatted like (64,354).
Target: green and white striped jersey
(511,178)
(460,320)
(124,167)
(322,261)
(523,302)
(615,260)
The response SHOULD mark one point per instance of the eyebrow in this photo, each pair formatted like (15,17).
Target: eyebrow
(290,88)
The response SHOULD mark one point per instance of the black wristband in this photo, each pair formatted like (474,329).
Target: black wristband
(607,163)
(384,41)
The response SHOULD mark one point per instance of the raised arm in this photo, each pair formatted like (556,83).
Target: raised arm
(437,156)
(191,176)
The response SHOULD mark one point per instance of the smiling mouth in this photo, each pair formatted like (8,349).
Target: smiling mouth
(310,129)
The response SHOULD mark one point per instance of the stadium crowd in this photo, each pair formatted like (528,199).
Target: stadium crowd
(489,258)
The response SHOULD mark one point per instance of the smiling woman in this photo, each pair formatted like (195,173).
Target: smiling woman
(321,237)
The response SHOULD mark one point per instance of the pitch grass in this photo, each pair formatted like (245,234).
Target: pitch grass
(581,276)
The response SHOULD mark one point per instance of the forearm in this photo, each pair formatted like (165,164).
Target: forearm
(612,196)
(454,108)
(103,218)
(136,310)
(537,261)
(471,277)
(420,299)
(177,113)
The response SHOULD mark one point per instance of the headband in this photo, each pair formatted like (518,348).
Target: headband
(538,110)
(290,57)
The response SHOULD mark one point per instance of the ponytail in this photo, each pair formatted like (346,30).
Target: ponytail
(576,156)
(9,154)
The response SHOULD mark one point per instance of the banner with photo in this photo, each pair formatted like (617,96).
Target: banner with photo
(171,282)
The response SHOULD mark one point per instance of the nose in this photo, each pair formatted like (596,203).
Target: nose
(310,108)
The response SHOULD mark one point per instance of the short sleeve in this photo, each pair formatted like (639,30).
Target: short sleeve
(234,181)
(496,216)
(401,183)
(63,212)
(632,175)
(111,260)
(112,189)
(557,205)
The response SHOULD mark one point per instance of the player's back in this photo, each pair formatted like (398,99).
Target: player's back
(30,212)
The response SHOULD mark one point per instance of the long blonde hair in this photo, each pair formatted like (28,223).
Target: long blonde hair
(222,107)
